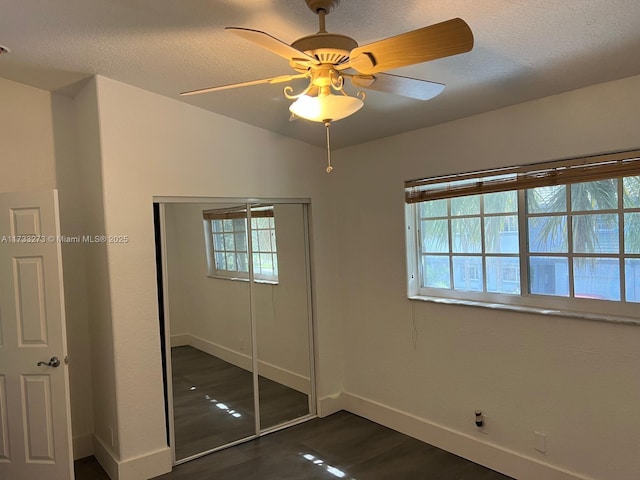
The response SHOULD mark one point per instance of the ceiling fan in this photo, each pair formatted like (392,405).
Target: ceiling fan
(326,59)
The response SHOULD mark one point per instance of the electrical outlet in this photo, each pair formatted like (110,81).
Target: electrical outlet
(540,441)
(480,422)
(479,419)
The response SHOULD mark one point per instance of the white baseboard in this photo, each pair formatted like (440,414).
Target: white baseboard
(331,404)
(82,446)
(495,457)
(239,359)
(139,468)
(285,377)
(106,458)
(180,340)
(147,466)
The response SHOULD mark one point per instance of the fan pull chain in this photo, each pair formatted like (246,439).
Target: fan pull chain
(329,167)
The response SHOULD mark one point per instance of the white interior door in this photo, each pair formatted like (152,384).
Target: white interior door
(35,426)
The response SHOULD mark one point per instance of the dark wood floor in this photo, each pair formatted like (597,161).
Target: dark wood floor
(213,402)
(342,445)
(207,394)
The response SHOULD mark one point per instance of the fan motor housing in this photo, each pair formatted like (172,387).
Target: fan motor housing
(326,5)
(330,48)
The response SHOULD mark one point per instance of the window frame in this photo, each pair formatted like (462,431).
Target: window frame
(256,212)
(590,308)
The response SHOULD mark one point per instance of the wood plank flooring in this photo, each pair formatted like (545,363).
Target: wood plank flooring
(342,445)
(213,402)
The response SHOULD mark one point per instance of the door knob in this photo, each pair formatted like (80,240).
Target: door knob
(54,362)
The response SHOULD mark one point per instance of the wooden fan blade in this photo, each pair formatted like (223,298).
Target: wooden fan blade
(280,79)
(403,86)
(428,43)
(272,44)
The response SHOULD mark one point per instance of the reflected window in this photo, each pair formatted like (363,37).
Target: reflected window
(228,245)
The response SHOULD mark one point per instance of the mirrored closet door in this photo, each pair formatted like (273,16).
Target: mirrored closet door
(237,308)
(281,314)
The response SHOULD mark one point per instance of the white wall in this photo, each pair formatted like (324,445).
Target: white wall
(281,310)
(38,152)
(26,123)
(181,256)
(216,311)
(69,184)
(424,368)
(151,145)
(103,378)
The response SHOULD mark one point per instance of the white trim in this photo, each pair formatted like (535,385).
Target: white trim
(224,200)
(240,279)
(166,348)
(596,317)
(239,359)
(285,377)
(180,340)
(411,239)
(106,458)
(211,251)
(492,456)
(313,391)
(254,325)
(145,466)
(331,404)
(215,449)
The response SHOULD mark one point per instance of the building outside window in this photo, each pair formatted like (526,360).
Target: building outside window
(539,235)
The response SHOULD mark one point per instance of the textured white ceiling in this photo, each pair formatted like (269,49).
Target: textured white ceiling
(524,49)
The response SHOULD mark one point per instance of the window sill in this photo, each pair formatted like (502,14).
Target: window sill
(240,279)
(596,317)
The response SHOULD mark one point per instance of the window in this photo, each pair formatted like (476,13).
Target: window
(553,234)
(228,245)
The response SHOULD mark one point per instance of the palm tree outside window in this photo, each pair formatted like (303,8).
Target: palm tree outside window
(568,229)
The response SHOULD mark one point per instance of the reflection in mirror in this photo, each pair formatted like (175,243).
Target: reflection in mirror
(210,328)
(237,298)
(279,246)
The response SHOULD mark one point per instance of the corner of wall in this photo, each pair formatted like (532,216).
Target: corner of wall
(90,195)
(331,404)
(139,468)
(68,183)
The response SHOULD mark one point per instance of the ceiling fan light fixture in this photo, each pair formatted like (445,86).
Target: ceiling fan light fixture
(323,108)
(326,59)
